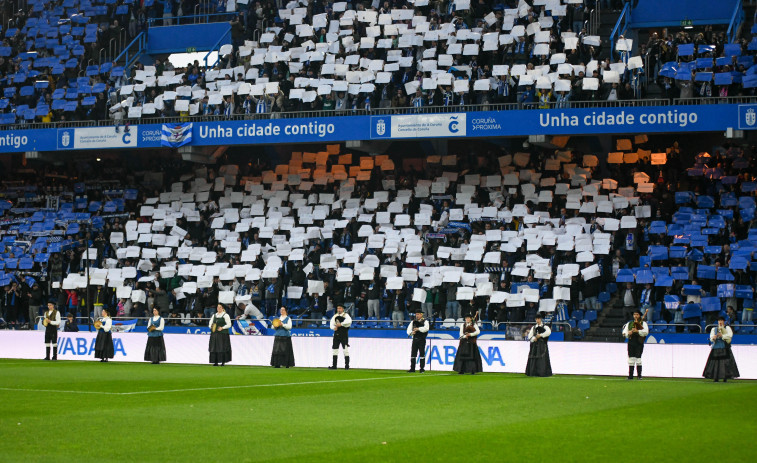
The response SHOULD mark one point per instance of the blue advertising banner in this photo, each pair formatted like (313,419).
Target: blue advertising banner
(581,121)
(250,132)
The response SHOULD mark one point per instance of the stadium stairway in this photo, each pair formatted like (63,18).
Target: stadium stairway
(609,324)
(607,20)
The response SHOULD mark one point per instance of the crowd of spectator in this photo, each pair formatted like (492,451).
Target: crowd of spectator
(346,56)
(53,65)
(502,234)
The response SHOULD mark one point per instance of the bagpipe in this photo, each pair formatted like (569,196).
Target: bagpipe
(470,329)
(638,326)
(48,319)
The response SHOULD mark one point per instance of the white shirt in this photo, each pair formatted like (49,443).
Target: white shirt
(346,323)
(53,321)
(532,333)
(286,322)
(463,333)
(643,333)
(727,334)
(422,329)
(107,324)
(162,323)
(218,317)
(250,311)
(628,298)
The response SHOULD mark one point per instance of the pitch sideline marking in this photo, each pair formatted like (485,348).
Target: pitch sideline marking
(246,386)
(51,390)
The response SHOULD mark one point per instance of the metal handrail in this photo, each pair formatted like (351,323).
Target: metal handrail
(122,37)
(736,20)
(699,327)
(597,104)
(491,107)
(111,47)
(734,325)
(616,30)
(715,100)
(594,19)
(140,40)
(323,322)
(176,20)
(216,47)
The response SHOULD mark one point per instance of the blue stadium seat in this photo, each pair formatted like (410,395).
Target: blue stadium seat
(746,327)
(591,315)
(603,297)
(584,325)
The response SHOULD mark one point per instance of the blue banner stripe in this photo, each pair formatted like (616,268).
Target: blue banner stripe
(579,121)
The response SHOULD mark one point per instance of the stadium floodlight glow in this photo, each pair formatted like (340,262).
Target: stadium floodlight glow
(182,60)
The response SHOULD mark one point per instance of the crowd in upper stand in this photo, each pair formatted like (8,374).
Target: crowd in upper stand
(502,234)
(344,56)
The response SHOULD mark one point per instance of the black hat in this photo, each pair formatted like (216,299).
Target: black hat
(418,310)
(637,311)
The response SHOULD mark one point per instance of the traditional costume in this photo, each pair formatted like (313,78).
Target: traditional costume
(282,354)
(220,343)
(155,351)
(104,342)
(720,363)
(538,355)
(635,343)
(468,358)
(341,338)
(418,329)
(51,322)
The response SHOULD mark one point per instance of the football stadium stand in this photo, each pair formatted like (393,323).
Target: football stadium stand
(583,231)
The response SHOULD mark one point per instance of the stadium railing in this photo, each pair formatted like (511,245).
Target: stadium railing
(193,19)
(715,100)
(668,325)
(487,107)
(323,323)
(597,104)
(737,327)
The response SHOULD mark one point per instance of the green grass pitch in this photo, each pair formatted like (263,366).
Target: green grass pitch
(91,412)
